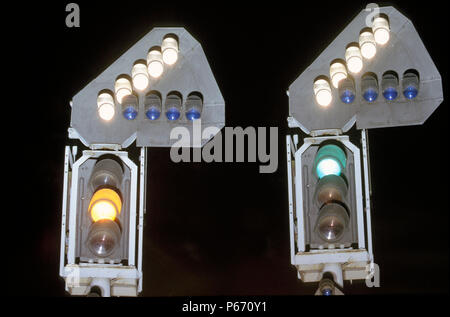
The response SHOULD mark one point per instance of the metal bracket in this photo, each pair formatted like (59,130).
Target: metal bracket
(326,132)
(113,147)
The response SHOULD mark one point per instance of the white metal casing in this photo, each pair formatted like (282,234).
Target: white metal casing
(124,280)
(355,263)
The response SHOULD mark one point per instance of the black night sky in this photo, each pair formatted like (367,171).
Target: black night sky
(222,228)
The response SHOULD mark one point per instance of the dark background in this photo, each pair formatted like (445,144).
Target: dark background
(220,228)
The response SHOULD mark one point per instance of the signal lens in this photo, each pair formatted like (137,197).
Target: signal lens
(173,106)
(140,76)
(390,93)
(348,96)
(330,188)
(152,105)
(353,58)
(347,90)
(104,237)
(130,113)
(192,114)
(338,72)
(169,49)
(327,292)
(328,167)
(367,44)
(369,87)
(410,92)
(410,83)
(322,92)
(106,111)
(173,114)
(122,87)
(107,172)
(153,113)
(370,95)
(194,105)
(380,28)
(130,107)
(389,84)
(105,204)
(330,160)
(155,65)
(332,222)
(331,228)
(105,106)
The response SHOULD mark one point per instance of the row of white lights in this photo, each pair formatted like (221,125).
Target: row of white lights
(140,75)
(354,59)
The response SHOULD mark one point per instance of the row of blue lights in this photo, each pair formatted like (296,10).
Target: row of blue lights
(153,113)
(370,94)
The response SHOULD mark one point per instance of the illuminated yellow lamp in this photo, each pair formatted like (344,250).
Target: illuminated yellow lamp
(322,92)
(140,76)
(367,44)
(155,64)
(353,58)
(380,28)
(169,48)
(105,106)
(122,88)
(338,72)
(105,204)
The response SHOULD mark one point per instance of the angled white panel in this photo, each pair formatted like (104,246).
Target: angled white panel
(404,51)
(191,73)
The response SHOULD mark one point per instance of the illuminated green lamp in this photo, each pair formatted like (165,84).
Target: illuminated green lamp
(330,160)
